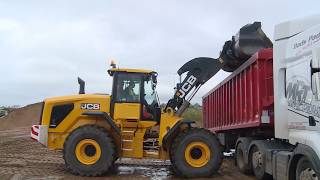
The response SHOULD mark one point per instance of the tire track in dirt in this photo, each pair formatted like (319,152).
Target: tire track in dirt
(23,158)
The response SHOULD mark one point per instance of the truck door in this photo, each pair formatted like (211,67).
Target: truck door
(315,88)
(302,92)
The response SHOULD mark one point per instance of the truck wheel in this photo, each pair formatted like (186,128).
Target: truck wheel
(196,152)
(258,160)
(305,171)
(241,155)
(89,151)
(240,159)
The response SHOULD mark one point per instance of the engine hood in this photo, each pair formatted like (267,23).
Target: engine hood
(78,97)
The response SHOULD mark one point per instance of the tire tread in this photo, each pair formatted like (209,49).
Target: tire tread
(177,141)
(89,128)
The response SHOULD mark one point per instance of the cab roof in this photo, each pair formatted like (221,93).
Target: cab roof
(112,70)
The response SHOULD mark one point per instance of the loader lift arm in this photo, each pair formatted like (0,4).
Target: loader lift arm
(199,71)
(249,40)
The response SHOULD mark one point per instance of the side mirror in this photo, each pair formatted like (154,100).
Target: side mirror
(315,85)
(154,77)
(315,73)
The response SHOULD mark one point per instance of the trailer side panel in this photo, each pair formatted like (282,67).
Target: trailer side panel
(244,99)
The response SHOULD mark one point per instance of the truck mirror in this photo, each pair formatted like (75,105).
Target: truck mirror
(315,85)
(315,64)
(315,73)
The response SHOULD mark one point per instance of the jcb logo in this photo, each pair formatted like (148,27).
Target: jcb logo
(186,86)
(90,106)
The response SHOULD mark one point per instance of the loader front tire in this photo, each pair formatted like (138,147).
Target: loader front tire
(89,151)
(196,152)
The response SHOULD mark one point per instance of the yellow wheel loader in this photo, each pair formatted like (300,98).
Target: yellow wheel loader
(94,130)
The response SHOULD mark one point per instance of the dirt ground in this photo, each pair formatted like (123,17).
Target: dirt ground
(21,158)
(22,117)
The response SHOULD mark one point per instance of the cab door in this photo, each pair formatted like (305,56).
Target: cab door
(127,96)
(302,91)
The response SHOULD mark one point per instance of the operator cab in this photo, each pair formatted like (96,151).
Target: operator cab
(134,95)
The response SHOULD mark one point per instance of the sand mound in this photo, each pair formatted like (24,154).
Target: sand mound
(21,117)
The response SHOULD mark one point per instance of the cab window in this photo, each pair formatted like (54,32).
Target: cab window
(149,92)
(150,100)
(128,88)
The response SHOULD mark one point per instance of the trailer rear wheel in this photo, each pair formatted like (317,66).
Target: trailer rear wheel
(305,171)
(240,159)
(258,160)
(241,154)
(89,151)
(196,152)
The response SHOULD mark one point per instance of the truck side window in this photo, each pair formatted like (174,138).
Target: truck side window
(128,88)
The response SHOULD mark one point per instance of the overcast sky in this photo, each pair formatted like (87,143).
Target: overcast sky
(45,45)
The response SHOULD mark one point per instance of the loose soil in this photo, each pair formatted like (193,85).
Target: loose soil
(23,158)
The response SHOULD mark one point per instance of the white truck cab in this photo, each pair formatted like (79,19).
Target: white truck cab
(296,70)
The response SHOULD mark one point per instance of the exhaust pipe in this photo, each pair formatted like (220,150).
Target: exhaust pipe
(81,86)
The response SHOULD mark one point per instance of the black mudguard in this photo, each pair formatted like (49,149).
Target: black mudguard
(308,152)
(173,132)
(104,116)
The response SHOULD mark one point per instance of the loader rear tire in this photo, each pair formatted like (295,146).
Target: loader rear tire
(89,151)
(196,152)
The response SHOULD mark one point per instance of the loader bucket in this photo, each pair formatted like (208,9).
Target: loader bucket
(249,40)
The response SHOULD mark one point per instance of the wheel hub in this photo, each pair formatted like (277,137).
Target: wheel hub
(308,174)
(257,160)
(197,154)
(88,151)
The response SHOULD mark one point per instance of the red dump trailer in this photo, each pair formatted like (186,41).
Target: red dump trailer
(242,104)
(268,108)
